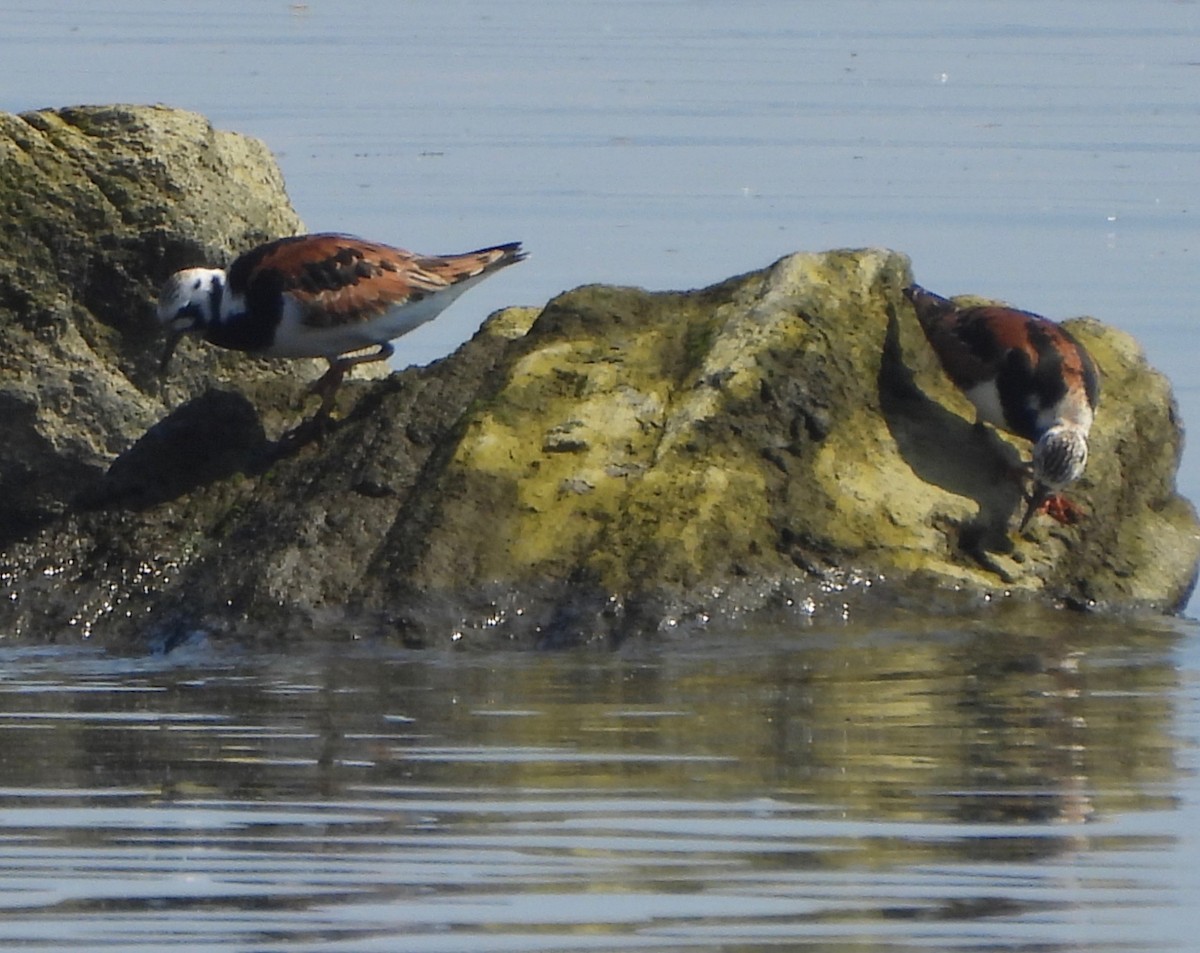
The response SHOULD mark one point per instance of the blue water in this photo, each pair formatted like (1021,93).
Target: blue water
(882,793)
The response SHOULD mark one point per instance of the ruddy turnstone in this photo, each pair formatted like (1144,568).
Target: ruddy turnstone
(324,295)
(1024,374)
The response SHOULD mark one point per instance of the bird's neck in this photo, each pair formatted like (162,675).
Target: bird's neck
(232,326)
(1076,415)
(1072,413)
(222,302)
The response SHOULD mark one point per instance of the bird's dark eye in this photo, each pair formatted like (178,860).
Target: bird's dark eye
(196,284)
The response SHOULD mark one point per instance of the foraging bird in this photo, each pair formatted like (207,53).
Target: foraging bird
(1024,374)
(322,295)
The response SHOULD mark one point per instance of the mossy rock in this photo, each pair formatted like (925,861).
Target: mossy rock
(787,435)
(613,462)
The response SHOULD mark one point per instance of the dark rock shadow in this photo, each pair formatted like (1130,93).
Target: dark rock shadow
(210,438)
(946,451)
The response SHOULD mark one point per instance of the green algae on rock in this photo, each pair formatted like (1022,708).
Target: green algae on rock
(779,434)
(589,469)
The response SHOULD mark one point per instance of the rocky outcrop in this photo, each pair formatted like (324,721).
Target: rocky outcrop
(99,205)
(614,461)
(785,436)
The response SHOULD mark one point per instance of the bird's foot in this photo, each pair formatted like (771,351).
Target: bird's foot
(310,430)
(1061,510)
(315,428)
(325,387)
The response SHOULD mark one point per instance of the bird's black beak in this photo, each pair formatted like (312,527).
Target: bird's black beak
(172,340)
(1040,494)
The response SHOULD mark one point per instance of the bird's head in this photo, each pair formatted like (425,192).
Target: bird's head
(1059,457)
(190,300)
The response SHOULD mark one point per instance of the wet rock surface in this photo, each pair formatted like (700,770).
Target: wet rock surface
(615,462)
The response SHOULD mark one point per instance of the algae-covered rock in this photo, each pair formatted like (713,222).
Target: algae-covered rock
(612,462)
(788,433)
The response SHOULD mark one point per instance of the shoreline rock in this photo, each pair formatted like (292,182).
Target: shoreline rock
(615,462)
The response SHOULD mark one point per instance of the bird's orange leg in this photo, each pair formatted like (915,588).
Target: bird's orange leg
(329,382)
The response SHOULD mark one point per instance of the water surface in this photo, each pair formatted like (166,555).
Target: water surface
(849,790)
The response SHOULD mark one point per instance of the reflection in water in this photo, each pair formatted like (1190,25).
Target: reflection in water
(960,789)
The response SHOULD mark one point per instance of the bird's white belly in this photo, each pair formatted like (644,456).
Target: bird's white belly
(986,399)
(296,338)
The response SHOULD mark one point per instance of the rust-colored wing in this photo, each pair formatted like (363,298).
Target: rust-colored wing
(340,279)
(978,343)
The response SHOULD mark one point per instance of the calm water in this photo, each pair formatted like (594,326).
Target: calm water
(848,791)
(987,787)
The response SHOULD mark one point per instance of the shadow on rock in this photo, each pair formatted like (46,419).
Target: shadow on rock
(210,438)
(946,451)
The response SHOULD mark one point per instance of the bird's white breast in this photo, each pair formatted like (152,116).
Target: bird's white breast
(294,337)
(986,398)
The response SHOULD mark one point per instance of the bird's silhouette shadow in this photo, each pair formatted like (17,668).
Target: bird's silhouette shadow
(945,450)
(203,441)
